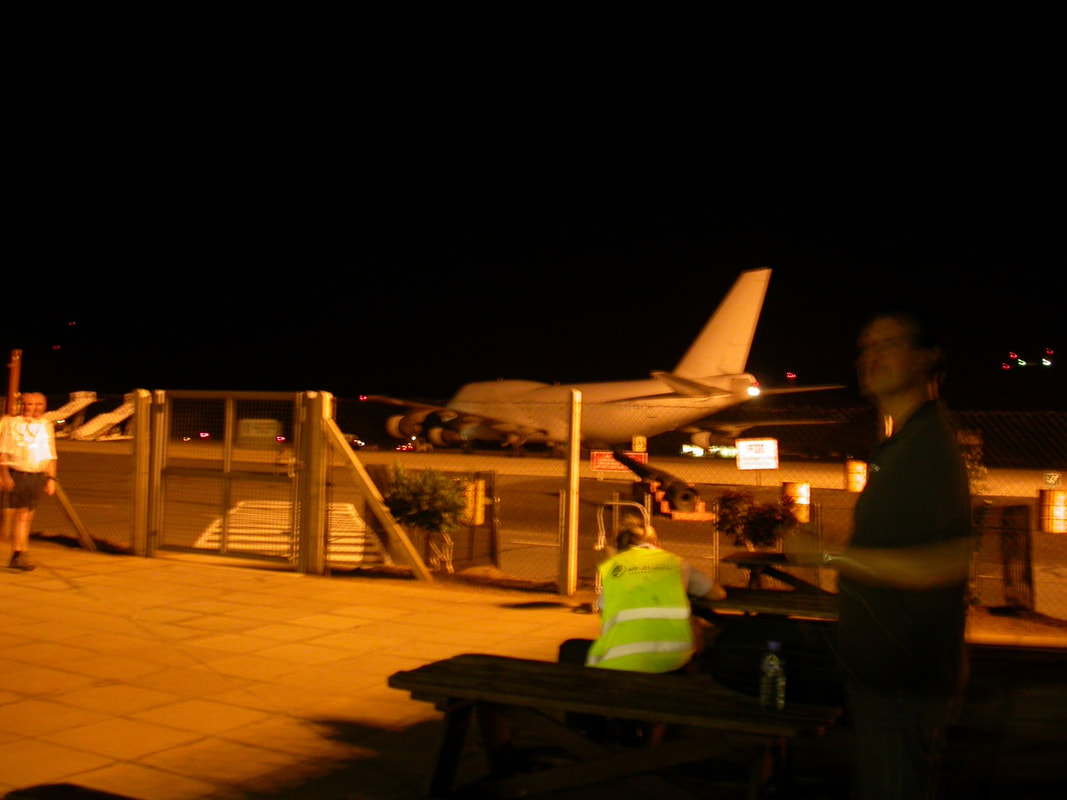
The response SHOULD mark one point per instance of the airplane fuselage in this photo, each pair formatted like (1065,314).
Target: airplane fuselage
(611,413)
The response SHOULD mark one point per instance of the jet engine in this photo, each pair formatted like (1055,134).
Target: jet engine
(443,437)
(701,439)
(680,495)
(404,426)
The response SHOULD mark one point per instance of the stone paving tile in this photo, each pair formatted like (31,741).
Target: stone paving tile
(201,716)
(40,680)
(34,717)
(116,698)
(27,762)
(122,738)
(138,781)
(218,760)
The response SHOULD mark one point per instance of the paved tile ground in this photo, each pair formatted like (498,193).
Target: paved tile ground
(175,678)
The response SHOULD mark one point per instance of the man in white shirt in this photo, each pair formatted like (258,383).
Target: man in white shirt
(27,471)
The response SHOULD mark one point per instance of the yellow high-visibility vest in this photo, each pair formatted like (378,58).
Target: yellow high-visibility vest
(645,620)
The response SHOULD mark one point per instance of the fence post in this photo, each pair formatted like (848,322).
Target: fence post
(311,483)
(568,551)
(142,451)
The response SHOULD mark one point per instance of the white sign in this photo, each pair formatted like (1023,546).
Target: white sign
(757,454)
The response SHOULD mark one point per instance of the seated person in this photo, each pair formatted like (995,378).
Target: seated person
(646,626)
(646,620)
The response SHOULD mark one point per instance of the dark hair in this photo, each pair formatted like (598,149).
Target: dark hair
(926,332)
(919,319)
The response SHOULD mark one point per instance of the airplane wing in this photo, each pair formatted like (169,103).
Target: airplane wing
(689,388)
(795,389)
(734,423)
(414,405)
(734,428)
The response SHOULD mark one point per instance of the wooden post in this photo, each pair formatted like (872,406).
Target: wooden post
(84,538)
(14,374)
(568,551)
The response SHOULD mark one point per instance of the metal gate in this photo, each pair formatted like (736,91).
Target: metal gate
(228,469)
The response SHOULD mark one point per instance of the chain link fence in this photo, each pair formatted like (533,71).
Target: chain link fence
(1015,460)
(516,529)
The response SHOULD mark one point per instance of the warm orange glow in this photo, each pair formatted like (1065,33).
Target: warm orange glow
(856,475)
(1054,510)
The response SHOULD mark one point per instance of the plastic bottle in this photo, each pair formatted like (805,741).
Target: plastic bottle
(772,678)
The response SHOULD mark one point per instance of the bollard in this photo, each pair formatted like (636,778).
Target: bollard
(1053,510)
(798,496)
(855,475)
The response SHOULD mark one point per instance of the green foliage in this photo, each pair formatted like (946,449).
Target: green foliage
(734,506)
(746,521)
(427,499)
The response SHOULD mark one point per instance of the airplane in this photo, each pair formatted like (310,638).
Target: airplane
(709,378)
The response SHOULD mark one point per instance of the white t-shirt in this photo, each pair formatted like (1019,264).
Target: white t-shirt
(26,443)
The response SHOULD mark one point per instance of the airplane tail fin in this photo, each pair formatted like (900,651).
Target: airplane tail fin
(722,346)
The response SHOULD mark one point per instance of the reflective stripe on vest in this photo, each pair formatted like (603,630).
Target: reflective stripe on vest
(649,612)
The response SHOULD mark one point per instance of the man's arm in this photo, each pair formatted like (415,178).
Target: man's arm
(6,481)
(929,566)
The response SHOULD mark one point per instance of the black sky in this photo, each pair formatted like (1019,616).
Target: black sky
(405,233)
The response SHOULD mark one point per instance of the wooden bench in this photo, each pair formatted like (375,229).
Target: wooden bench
(538,695)
(806,605)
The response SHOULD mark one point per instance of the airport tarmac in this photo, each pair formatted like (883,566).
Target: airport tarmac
(185,677)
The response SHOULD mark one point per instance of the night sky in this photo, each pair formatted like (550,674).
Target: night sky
(339,231)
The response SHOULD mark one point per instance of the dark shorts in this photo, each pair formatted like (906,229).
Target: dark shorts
(29,487)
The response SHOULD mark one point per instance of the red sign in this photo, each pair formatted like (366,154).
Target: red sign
(604,461)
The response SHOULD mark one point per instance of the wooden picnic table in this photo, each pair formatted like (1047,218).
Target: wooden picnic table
(538,695)
(807,605)
(803,599)
(762,564)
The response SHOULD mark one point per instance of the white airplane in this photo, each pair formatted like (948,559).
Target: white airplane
(710,377)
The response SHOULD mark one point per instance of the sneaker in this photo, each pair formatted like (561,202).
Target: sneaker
(19,561)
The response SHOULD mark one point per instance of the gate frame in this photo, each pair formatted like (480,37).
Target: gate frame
(315,438)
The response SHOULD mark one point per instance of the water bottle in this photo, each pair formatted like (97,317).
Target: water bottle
(772,678)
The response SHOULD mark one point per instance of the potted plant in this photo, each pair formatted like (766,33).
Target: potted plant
(755,525)
(432,503)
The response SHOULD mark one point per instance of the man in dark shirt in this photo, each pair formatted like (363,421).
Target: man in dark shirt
(903,575)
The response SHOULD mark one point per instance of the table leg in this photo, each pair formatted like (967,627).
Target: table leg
(453,737)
